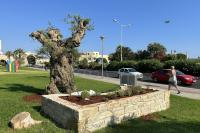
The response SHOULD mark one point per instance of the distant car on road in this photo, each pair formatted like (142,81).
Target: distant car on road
(130,71)
(163,76)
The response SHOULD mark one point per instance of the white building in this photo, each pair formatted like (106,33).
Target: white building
(92,56)
(1,53)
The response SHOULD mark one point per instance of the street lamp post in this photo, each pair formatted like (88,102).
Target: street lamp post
(121,35)
(102,63)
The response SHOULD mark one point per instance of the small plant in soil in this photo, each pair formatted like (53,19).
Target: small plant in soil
(85,95)
(129,92)
(112,95)
(121,93)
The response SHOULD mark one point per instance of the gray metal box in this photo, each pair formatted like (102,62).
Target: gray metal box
(128,79)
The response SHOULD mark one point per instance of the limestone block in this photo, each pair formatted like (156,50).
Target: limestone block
(23,120)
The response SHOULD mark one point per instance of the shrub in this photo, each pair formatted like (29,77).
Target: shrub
(129,92)
(83,64)
(94,66)
(85,94)
(47,64)
(187,66)
(112,95)
(149,65)
(115,66)
(121,93)
(136,90)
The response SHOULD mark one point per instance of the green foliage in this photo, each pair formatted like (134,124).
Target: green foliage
(149,65)
(75,56)
(127,54)
(18,53)
(74,21)
(129,92)
(2,62)
(121,93)
(142,54)
(95,66)
(31,60)
(169,57)
(85,94)
(46,64)
(181,56)
(186,66)
(9,54)
(156,50)
(115,65)
(83,64)
(112,95)
(44,51)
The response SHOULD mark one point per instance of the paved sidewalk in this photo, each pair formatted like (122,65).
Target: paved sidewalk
(185,91)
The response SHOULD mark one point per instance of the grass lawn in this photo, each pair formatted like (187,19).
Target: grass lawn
(182,117)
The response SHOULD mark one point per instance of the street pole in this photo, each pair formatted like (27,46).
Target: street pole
(102,63)
(121,42)
(121,33)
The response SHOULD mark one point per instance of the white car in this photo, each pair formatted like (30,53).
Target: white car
(130,71)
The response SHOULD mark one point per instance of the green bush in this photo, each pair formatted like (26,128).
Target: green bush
(149,65)
(94,66)
(115,65)
(83,64)
(85,94)
(47,64)
(129,92)
(187,66)
(121,93)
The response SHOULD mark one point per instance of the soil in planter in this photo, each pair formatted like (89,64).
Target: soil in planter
(100,98)
(33,98)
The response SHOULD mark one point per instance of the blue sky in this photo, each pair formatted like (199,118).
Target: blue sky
(18,18)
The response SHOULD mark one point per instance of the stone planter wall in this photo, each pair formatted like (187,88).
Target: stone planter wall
(88,118)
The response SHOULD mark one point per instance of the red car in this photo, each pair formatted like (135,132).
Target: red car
(163,76)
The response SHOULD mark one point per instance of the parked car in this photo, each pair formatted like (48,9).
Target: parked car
(163,76)
(130,71)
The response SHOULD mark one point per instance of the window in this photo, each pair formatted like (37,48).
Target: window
(126,71)
(122,70)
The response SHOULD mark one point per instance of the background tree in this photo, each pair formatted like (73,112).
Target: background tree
(181,56)
(60,51)
(9,54)
(83,64)
(31,60)
(75,55)
(156,50)
(142,54)
(169,57)
(18,55)
(127,54)
(43,51)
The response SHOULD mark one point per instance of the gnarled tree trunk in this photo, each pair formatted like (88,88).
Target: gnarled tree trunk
(61,60)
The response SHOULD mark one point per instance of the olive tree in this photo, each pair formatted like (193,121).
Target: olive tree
(60,50)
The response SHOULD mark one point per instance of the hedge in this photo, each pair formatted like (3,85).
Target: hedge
(149,65)
(187,66)
(115,65)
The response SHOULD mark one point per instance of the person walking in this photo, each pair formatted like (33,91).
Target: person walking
(173,79)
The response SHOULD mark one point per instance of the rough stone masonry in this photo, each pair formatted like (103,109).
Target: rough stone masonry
(88,118)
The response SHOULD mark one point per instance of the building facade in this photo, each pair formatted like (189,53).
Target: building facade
(92,56)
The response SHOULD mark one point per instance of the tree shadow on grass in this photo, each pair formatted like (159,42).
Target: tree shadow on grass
(24,88)
(152,126)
